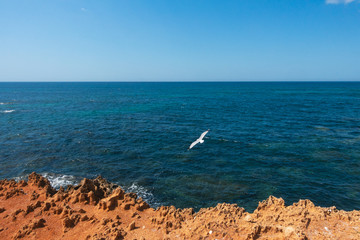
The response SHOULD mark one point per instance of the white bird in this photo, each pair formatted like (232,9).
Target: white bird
(199,140)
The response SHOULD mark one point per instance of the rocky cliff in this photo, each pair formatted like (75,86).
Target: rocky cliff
(97,209)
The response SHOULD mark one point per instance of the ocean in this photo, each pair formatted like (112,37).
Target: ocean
(295,140)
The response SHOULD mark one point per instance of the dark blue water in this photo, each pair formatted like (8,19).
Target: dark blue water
(291,140)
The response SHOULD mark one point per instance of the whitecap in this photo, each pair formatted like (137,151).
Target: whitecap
(25,177)
(61,180)
(223,140)
(322,128)
(8,111)
(227,140)
(144,193)
(56,180)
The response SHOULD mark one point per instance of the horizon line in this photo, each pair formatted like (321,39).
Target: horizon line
(170,81)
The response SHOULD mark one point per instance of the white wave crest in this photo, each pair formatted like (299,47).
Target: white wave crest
(8,111)
(61,180)
(6,103)
(25,177)
(144,193)
(227,140)
(56,180)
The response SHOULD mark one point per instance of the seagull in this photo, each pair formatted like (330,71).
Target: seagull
(199,140)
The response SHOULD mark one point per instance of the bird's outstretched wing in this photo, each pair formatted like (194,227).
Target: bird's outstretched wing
(203,135)
(193,144)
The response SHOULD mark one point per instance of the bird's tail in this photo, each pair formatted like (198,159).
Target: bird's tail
(201,141)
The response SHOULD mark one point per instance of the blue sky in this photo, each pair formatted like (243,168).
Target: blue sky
(179,40)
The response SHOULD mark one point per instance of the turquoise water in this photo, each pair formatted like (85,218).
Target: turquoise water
(291,140)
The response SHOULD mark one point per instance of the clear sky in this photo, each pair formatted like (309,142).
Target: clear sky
(179,40)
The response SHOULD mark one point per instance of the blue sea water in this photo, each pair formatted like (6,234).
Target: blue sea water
(291,140)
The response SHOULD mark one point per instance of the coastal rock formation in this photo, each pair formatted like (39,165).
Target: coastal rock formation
(97,209)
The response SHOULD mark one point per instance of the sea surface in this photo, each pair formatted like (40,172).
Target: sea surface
(291,140)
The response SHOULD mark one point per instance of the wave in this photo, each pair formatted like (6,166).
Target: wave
(56,180)
(227,140)
(322,128)
(60,180)
(144,193)
(8,111)
(63,180)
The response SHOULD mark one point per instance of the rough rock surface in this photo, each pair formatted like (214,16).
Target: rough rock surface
(97,209)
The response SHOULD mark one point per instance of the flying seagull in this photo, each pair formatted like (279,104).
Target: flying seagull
(199,140)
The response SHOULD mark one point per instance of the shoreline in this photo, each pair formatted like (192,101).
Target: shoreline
(98,209)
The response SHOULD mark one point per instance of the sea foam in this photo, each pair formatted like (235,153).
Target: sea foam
(144,193)
(56,180)
(8,111)
(61,180)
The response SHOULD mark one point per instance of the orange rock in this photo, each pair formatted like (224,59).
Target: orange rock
(97,209)
(131,226)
